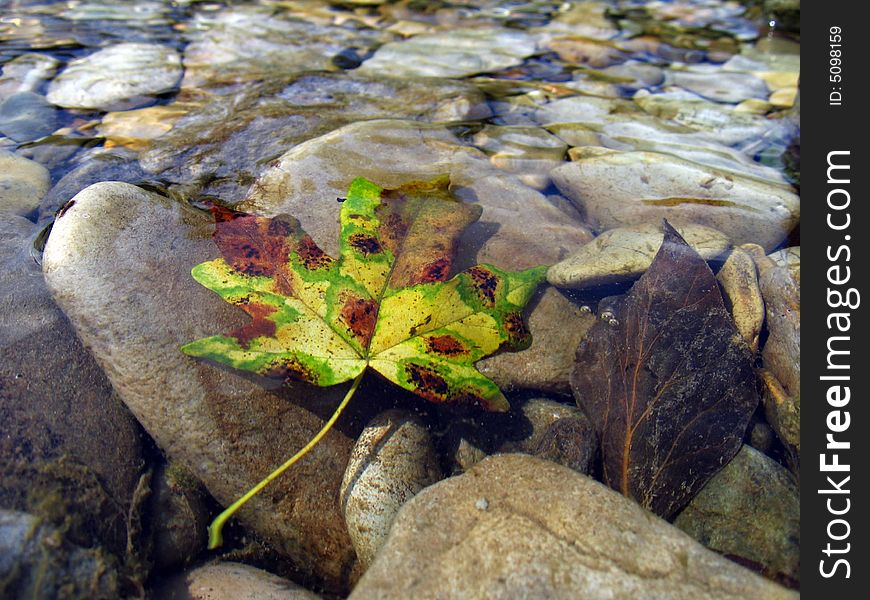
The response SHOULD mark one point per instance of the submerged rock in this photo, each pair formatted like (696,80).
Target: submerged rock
(739,280)
(26,73)
(517,526)
(625,253)
(119,77)
(58,411)
(230,581)
(23,183)
(392,460)
(36,562)
(625,188)
(721,86)
(749,510)
(178,517)
(118,262)
(26,116)
(228,141)
(455,53)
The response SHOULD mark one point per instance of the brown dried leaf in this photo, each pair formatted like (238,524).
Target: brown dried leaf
(670,388)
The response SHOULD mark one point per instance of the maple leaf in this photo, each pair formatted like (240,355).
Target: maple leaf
(670,388)
(386,303)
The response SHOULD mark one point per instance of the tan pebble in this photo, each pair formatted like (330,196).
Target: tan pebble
(739,280)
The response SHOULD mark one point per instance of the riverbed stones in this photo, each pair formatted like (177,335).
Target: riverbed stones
(626,188)
(23,183)
(246,44)
(120,77)
(455,53)
(750,509)
(393,459)
(517,526)
(118,262)
(625,253)
(26,73)
(529,152)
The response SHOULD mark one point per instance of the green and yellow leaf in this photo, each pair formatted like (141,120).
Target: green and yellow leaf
(385,303)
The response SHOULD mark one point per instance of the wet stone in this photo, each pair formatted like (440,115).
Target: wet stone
(230,581)
(721,87)
(26,116)
(455,53)
(178,517)
(739,280)
(23,183)
(517,526)
(26,73)
(247,44)
(529,152)
(749,510)
(627,188)
(119,77)
(625,253)
(27,570)
(392,460)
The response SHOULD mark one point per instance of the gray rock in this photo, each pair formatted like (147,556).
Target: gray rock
(721,86)
(750,510)
(520,527)
(625,253)
(627,188)
(23,183)
(26,116)
(118,262)
(392,460)
(36,562)
(26,73)
(230,581)
(640,75)
(455,53)
(58,411)
(791,258)
(119,77)
(529,152)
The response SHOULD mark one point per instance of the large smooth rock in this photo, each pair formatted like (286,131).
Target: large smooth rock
(519,228)
(23,183)
(118,262)
(626,188)
(721,87)
(27,116)
(456,53)
(750,509)
(625,253)
(26,73)
(520,527)
(119,77)
(58,411)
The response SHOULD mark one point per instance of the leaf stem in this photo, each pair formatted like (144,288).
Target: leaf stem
(214,530)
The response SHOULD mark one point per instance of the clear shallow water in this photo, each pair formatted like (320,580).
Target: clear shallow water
(564,120)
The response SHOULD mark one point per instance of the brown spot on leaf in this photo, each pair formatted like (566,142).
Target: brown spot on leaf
(436,270)
(445,345)
(311,256)
(359,316)
(259,326)
(290,369)
(468,398)
(428,382)
(365,244)
(485,282)
(279,227)
(516,327)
